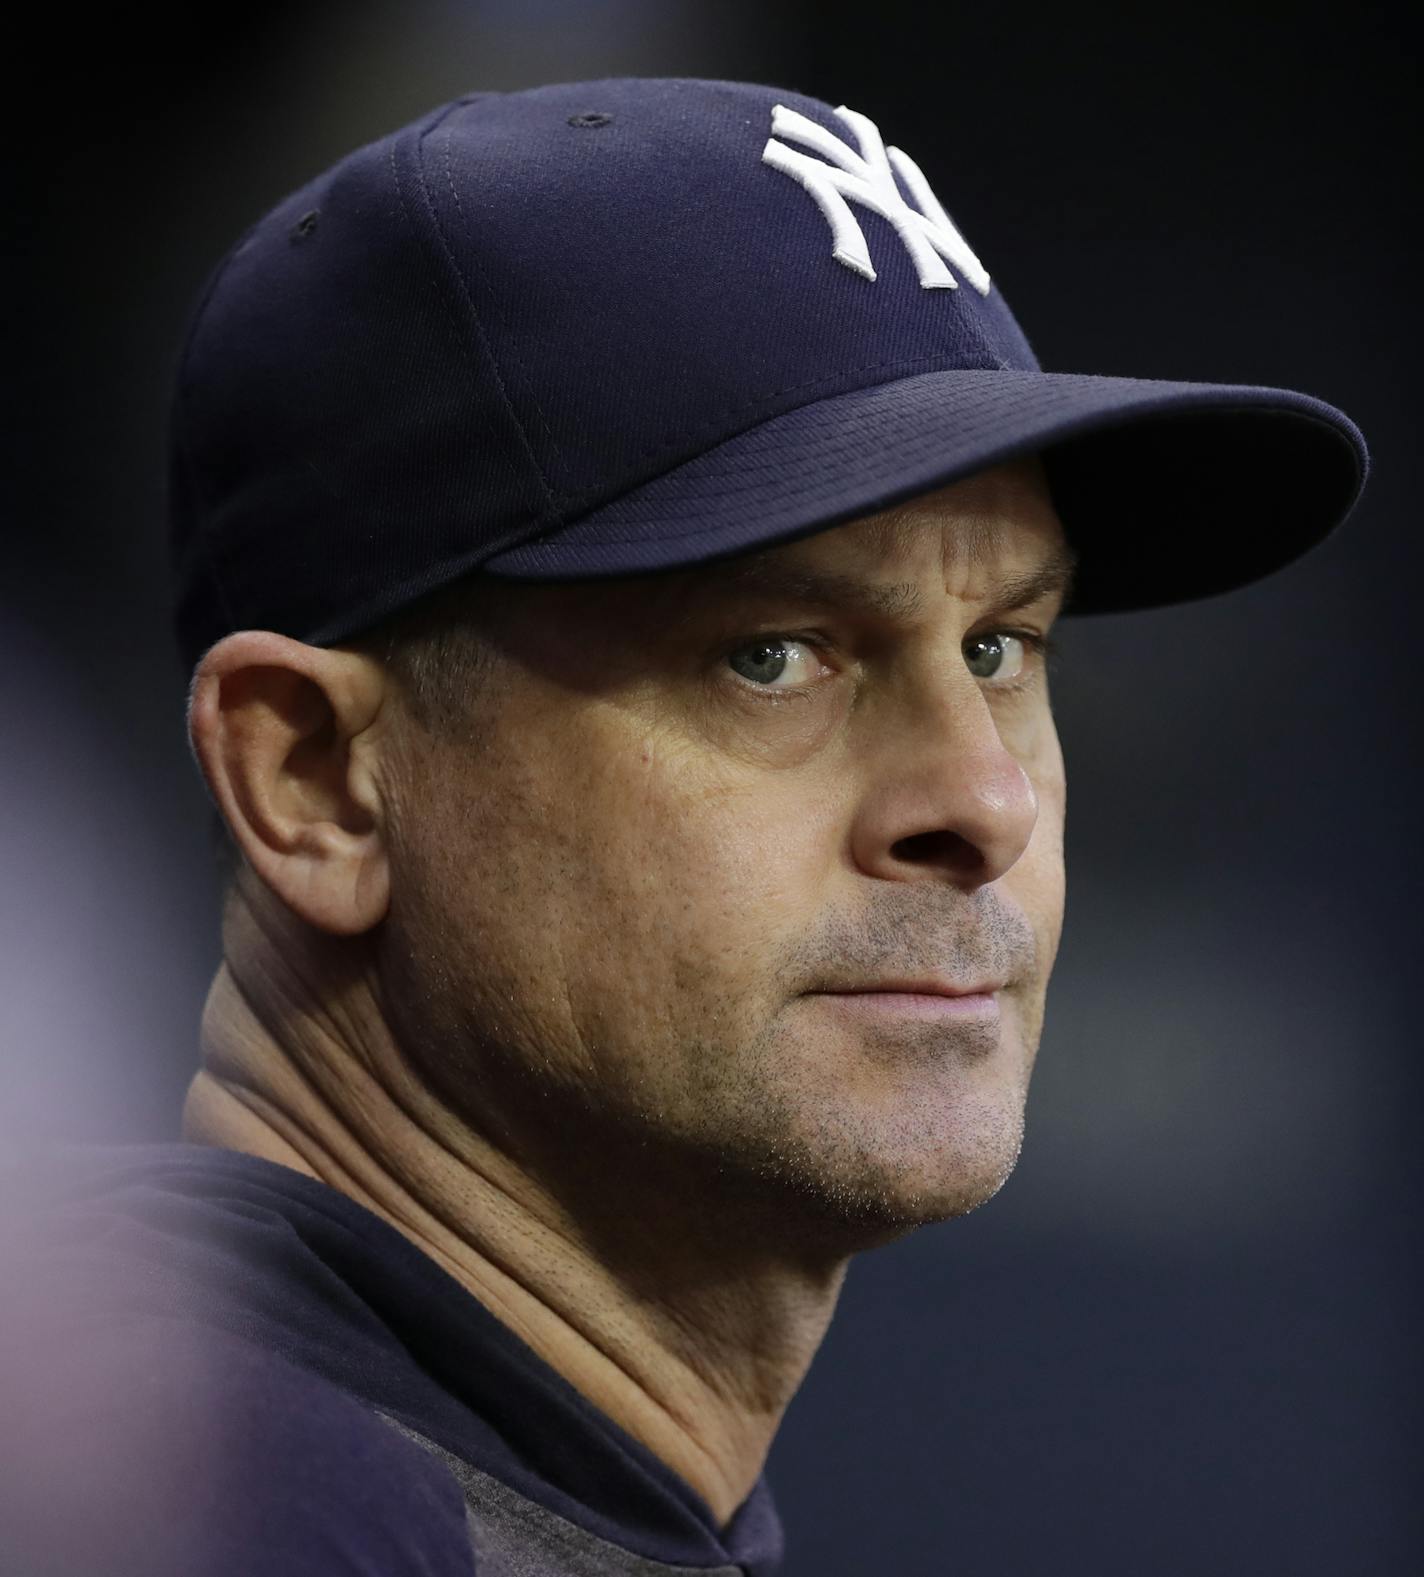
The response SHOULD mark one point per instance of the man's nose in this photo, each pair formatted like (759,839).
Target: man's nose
(946,797)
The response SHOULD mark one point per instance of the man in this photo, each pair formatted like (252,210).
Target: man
(618,533)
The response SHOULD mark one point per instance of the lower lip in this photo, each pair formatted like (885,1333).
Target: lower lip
(916,1004)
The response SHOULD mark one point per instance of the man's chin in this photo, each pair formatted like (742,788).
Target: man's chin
(808,1201)
(869,1216)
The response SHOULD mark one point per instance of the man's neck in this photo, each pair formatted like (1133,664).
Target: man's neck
(682,1335)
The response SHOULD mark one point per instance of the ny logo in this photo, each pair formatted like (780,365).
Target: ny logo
(867,178)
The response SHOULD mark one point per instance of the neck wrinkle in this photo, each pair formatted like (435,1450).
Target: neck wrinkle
(689,1349)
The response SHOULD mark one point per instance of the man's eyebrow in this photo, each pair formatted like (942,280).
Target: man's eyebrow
(1056,573)
(892,599)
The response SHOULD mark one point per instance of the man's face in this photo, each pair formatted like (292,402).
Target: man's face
(697,812)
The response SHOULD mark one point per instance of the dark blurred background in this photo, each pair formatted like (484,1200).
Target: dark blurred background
(1183,1338)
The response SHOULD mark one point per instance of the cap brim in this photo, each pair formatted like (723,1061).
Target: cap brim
(1168,491)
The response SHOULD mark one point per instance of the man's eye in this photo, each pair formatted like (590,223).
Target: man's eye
(772,659)
(1001,656)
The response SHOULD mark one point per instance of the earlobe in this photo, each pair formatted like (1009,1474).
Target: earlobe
(287,738)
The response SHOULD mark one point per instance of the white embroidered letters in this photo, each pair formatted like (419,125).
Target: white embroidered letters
(868,178)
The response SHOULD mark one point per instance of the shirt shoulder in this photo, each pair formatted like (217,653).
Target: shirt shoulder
(161,1451)
(160,1410)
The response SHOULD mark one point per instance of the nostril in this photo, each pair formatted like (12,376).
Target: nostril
(590,119)
(924,848)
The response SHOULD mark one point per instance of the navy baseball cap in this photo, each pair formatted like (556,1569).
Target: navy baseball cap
(606,328)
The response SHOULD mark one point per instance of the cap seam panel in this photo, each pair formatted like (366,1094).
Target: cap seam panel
(548,490)
(513,343)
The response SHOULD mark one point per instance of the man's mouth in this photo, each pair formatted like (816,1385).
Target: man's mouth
(918,999)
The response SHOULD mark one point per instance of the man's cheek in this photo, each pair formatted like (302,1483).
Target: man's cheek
(696,855)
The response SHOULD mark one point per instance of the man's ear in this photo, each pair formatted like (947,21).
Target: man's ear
(288,738)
